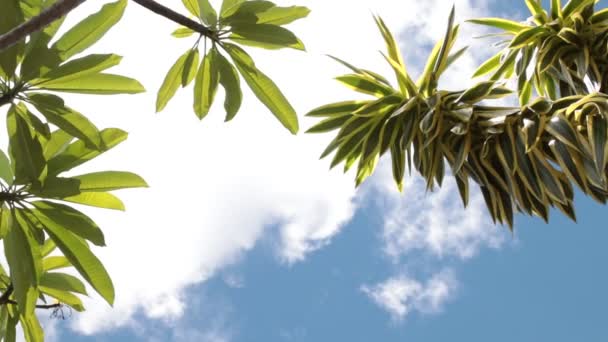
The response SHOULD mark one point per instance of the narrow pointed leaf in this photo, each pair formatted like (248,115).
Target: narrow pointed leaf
(90,30)
(264,88)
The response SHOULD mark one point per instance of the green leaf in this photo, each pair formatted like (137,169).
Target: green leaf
(574,6)
(172,81)
(488,66)
(90,30)
(24,260)
(64,217)
(25,150)
(365,85)
(337,108)
(97,199)
(10,17)
(190,67)
(229,6)
(64,297)
(56,112)
(182,32)
(265,36)
(192,7)
(31,327)
(101,84)
(78,153)
(246,12)
(78,68)
(282,15)
(556,9)
(208,13)
(6,171)
(63,282)
(526,36)
(109,180)
(597,131)
(57,143)
(47,248)
(264,88)
(5,220)
(55,262)
(329,124)
(503,24)
(35,124)
(537,11)
(85,262)
(230,81)
(205,85)
(561,129)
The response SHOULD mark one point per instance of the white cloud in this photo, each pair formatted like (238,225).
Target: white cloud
(401,295)
(434,223)
(429,228)
(216,188)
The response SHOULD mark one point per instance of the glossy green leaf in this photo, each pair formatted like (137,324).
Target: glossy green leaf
(96,199)
(527,36)
(25,150)
(265,36)
(59,140)
(56,112)
(6,171)
(109,180)
(499,23)
(62,281)
(207,13)
(205,85)
(338,108)
(78,153)
(63,297)
(10,16)
(230,81)
(32,330)
(182,32)
(78,68)
(488,66)
(264,88)
(90,30)
(229,6)
(246,12)
(190,67)
(171,83)
(85,262)
(63,216)
(282,15)
(329,124)
(24,260)
(101,84)
(55,262)
(365,84)
(192,7)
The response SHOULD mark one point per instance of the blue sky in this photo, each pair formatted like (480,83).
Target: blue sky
(305,258)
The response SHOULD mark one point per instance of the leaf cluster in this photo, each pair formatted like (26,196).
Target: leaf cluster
(256,23)
(524,159)
(40,231)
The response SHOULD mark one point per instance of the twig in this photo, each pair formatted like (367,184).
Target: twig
(37,23)
(177,17)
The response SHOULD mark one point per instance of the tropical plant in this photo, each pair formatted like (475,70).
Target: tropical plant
(40,231)
(524,159)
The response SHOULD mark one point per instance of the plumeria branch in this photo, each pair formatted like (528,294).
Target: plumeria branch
(37,23)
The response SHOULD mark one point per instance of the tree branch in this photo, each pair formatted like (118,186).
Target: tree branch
(37,23)
(7,293)
(177,17)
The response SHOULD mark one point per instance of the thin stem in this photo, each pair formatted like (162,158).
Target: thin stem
(177,17)
(37,23)
(5,296)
